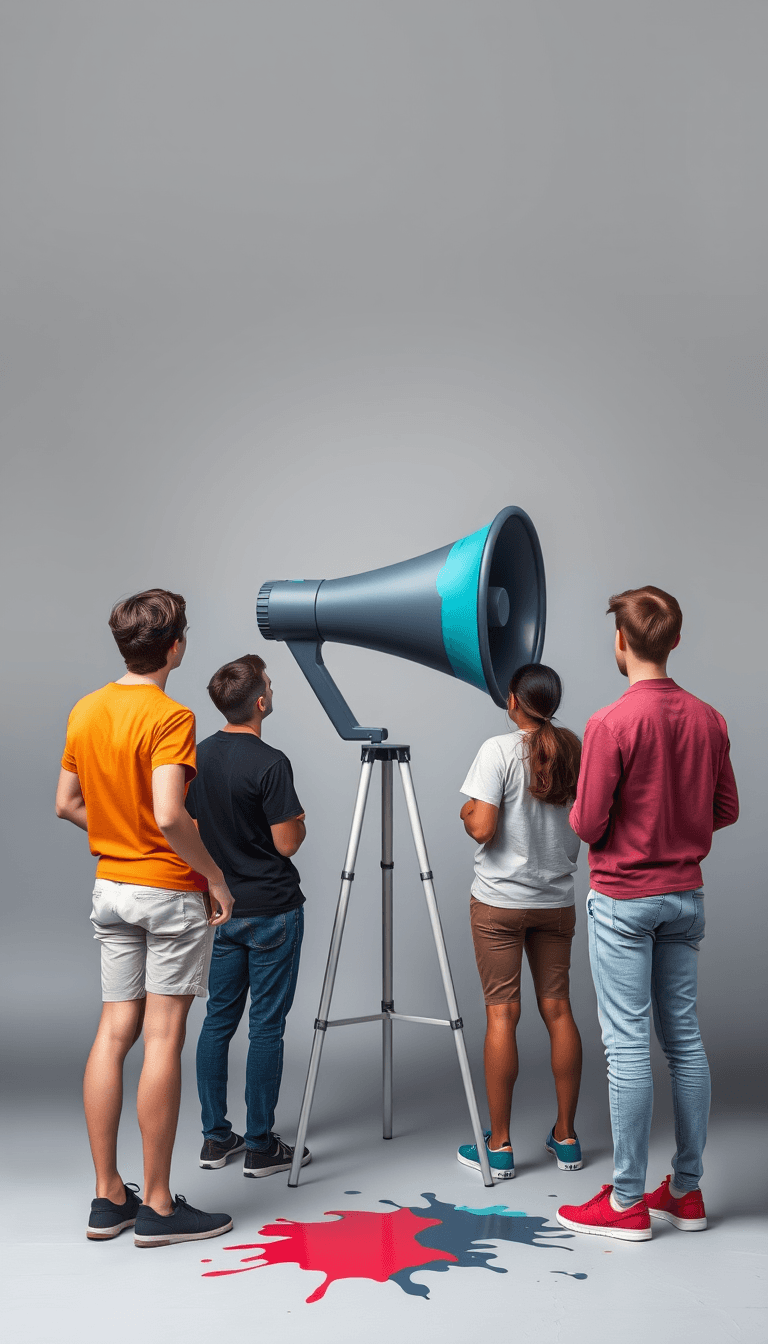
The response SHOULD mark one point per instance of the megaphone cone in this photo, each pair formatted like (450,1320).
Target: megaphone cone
(475,610)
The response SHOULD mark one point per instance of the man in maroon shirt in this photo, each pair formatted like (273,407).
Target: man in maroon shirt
(655,782)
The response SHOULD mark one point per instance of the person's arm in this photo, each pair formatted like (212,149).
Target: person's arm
(179,830)
(280,801)
(484,787)
(599,775)
(288,836)
(726,800)
(70,803)
(480,820)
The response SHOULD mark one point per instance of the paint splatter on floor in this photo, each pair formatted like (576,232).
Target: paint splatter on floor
(356,1245)
(395,1245)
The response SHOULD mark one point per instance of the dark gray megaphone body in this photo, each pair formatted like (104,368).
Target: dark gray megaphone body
(475,610)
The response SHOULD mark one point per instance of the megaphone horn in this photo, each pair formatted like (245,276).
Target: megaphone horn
(475,610)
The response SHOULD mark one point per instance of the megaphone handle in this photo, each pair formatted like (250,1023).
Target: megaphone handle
(308,654)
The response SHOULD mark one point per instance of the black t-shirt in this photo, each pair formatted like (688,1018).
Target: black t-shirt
(242,787)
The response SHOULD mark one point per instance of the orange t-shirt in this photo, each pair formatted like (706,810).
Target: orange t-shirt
(116,737)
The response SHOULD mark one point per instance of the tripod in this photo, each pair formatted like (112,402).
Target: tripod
(387,755)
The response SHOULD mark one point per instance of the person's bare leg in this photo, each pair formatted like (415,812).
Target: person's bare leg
(501,1066)
(119,1029)
(159,1093)
(565,1043)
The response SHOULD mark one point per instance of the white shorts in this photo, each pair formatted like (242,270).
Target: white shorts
(152,941)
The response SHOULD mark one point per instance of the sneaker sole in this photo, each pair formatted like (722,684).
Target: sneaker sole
(622,1233)
(180,1236)
(684,1224)
(107,1233)
(272,1171)
(213,1164)
(496,1175)
(565,1166)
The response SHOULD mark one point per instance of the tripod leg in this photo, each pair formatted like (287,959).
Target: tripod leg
(331,966)
(445,970)
(387,989)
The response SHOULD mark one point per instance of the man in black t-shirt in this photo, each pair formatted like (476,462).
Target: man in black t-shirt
(251,821)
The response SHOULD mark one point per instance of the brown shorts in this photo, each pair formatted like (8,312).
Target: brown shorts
(499,936)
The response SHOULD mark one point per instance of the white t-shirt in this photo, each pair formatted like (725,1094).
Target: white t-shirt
(532,857)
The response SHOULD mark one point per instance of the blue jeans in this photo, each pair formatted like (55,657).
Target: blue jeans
(260,953)
(643,954)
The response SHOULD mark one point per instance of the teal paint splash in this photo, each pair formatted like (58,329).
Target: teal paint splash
(457,585)
(500,1210)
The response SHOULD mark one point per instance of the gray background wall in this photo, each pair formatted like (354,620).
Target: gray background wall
(304,289)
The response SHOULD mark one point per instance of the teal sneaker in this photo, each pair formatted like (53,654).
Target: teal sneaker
(502,1161)
(568,1154)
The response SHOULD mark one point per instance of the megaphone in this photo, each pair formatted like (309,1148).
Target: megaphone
(475,610)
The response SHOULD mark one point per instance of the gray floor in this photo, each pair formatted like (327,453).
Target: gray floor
(678,1287)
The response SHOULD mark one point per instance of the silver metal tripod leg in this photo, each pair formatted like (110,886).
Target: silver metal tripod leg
(347,877)
(445,970)
(387,974)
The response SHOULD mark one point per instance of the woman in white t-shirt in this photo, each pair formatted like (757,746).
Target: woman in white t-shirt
(520,788)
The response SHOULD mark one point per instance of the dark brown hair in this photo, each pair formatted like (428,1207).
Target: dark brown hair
(553,754)
(649,619)
(146,625)
(236,687)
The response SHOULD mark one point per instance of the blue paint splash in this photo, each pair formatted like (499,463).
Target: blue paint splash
(465,1234)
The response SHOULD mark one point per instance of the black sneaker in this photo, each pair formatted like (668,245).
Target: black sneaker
(108,1220)
(184,1224)
(278,1157)
(214,1154)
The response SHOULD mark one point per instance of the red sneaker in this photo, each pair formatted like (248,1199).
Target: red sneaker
(687,1213)
(602,1220)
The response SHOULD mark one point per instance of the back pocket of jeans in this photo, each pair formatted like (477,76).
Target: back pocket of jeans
(695,930)
(267,931)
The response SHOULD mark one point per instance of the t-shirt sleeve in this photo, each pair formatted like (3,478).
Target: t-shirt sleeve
(278,795)
(69,757)
(173,742)
(68,761)
(486,777)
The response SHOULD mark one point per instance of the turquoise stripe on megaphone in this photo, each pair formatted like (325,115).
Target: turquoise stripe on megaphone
(457,584)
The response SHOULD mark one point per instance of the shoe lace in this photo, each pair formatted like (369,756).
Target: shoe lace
(283,1149)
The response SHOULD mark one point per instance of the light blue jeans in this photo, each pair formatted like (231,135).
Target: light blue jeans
(643,954)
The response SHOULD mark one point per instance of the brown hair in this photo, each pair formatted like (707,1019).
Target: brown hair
(553,754)
(649,619)
(146,625)
(236,687)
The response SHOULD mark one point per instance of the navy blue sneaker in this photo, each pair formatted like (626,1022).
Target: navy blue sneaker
(214,1154)
(184,1224)
(278,1157)
(568,1154)
(108,1220)
(501,1160)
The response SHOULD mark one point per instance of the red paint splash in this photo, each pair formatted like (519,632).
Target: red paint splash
(356,1245)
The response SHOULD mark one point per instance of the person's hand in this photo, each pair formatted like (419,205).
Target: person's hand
(222,902)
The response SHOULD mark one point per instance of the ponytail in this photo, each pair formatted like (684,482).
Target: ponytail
(553,754)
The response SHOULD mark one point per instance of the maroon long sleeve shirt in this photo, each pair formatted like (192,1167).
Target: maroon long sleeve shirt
(655,782)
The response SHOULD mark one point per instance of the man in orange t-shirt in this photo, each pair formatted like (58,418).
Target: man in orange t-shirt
(129,757)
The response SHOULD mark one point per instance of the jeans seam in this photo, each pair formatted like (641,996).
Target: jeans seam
(616,1138)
